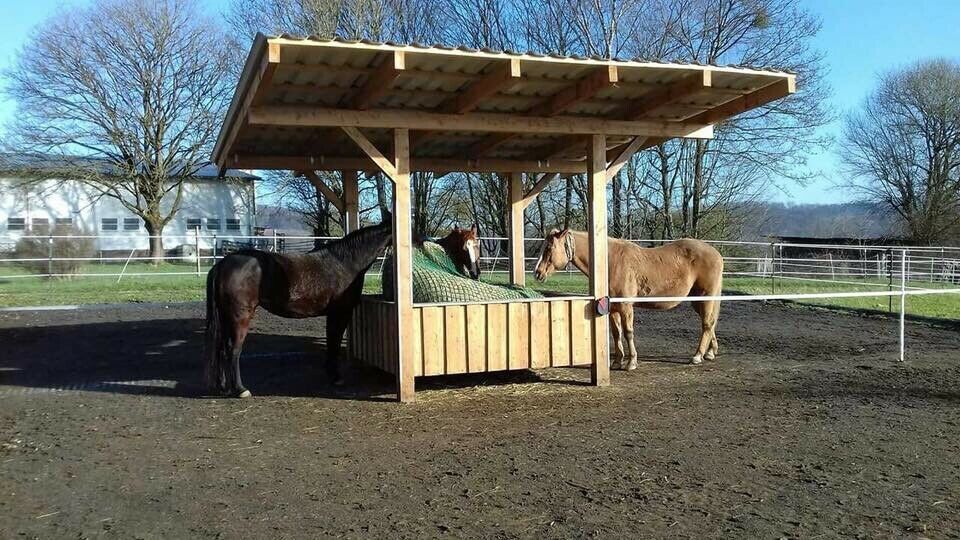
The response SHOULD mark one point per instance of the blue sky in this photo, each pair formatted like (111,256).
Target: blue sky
(862,38)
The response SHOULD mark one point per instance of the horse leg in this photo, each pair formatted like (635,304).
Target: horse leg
(336,326)
(628,336)
(706,333)
(240,329)
(713,316)
(615,329)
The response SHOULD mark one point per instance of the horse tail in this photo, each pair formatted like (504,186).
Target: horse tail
(214,343)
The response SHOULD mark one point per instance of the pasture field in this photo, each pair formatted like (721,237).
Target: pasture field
(190,288)
(805,426)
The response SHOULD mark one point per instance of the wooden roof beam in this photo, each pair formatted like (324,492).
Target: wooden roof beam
(381,161)
(379,81)
(622,155)
(757,98)
(689,85)
(437,165)
(542,181)
(307,116)
(322,187)
(501,78)
(578,92)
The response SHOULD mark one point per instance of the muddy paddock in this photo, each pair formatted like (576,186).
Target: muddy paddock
(804,426)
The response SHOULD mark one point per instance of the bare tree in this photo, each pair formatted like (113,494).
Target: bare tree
(135,89)
(754,151)
(903,147)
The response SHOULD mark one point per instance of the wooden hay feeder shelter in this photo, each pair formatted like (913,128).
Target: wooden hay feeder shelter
(330,105)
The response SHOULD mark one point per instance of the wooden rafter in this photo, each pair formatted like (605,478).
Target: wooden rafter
(538,186)
(379,81)
(669,94)
(623,156)
(499,79)
(322,187)
(371,151)
(438,165)
(580,91)
(502,77)
(749,101)
(300,116)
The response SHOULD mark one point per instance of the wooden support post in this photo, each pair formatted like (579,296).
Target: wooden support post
(402,271)
(351,201)
(599,286)
(515,218)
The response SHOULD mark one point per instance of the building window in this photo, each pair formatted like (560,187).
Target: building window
(64,221)
(108,224)
(131,224)
(233,224)
(16,224)
(40,223)
(193,223)
(213,224)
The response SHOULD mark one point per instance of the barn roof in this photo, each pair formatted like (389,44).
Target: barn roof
(45,164)
(468,109)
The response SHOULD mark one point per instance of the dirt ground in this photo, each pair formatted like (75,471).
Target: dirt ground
(805,426)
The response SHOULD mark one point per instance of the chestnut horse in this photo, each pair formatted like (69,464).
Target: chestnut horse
(684,267)
(463,248)
(327,281)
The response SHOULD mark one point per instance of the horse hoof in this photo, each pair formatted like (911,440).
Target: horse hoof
(709,356)
(244,394)
(696,360)
(631,366)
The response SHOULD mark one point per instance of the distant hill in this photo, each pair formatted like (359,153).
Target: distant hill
(282,220)
(849,220)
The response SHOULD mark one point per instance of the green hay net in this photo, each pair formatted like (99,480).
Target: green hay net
(435,279)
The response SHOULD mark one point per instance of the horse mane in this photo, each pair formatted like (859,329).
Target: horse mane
(355,242)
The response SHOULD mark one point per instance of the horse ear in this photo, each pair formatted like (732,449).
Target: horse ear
(474,228)
(564,232)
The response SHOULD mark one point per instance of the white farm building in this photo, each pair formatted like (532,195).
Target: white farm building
(220,207)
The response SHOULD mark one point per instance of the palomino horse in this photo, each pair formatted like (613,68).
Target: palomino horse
(685,267)
(327,281)
(463,248)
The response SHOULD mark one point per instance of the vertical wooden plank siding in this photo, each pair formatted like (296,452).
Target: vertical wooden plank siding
(418,341)
(455,322)
(539,335)
(560,333)
(496,337)
(518,335)
(597,196)
(402,253)
(433,341)
(476,339)
(515,219)
(581,336)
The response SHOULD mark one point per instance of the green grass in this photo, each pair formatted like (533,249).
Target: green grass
(38,291)
(34,291)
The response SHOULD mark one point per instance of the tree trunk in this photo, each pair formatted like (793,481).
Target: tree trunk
(155,230)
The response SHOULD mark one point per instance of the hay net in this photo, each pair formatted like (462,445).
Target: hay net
(436,279)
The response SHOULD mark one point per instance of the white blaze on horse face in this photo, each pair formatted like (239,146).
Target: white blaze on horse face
(471,247)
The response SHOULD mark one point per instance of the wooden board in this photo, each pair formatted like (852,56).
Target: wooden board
(477,338)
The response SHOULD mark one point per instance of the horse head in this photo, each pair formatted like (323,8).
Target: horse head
(556,252)
(463,248)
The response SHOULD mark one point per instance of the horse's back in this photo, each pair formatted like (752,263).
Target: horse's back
(679,268)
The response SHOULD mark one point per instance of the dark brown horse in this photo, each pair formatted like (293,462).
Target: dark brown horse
(327,281)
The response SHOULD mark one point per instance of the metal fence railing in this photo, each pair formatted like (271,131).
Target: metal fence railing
(59,256)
